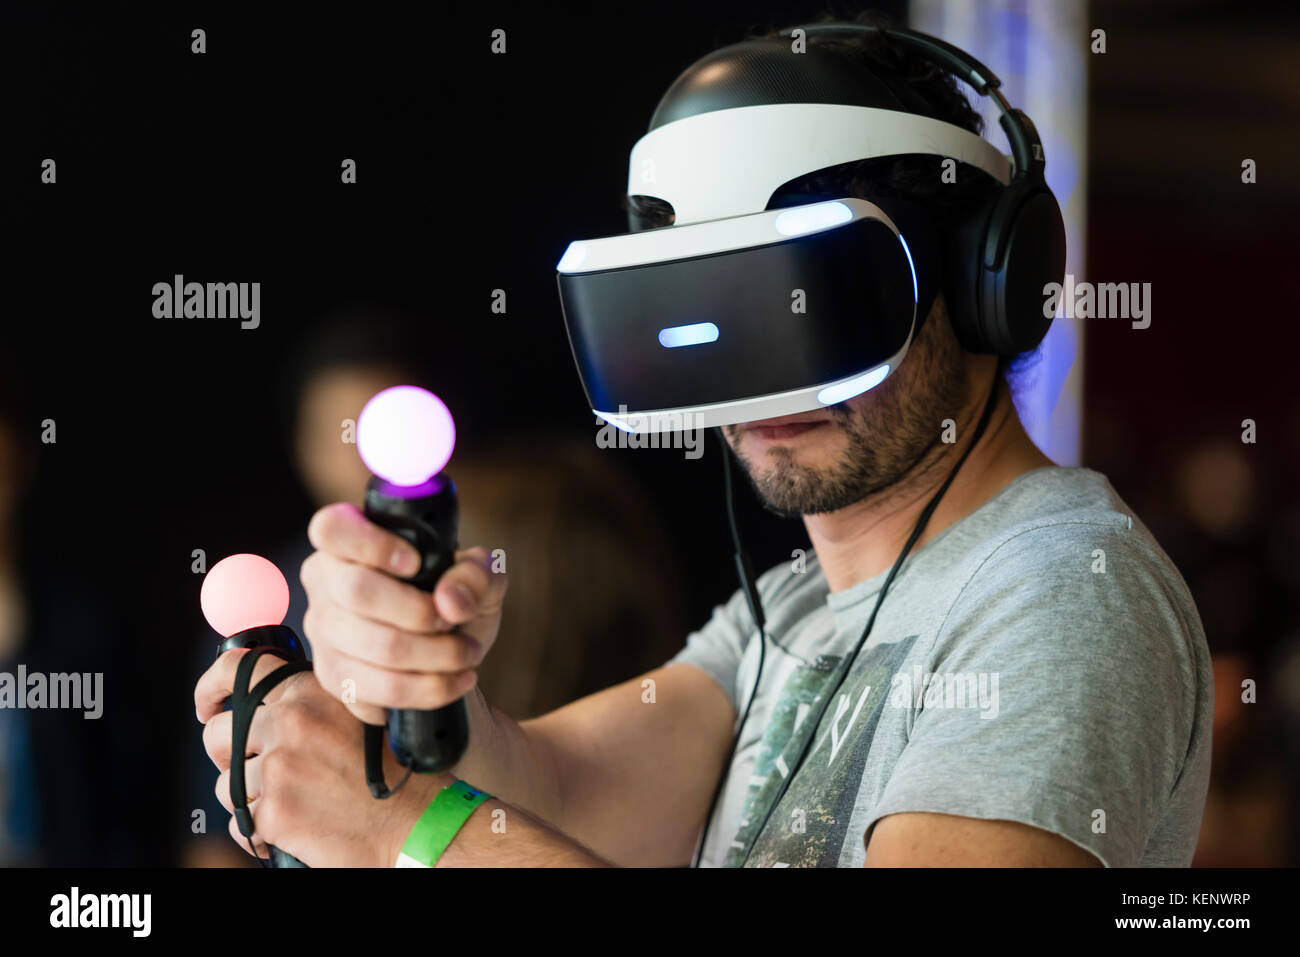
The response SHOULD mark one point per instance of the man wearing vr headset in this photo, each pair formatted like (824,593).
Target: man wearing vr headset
(986,659)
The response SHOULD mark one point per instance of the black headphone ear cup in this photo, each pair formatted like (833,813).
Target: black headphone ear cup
(963,266)
(1024,251)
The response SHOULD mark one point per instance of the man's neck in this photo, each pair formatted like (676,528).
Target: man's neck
(861,541)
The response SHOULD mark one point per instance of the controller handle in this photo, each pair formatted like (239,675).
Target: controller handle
(427,516)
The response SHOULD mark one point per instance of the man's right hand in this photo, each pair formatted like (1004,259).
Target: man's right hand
(378,642)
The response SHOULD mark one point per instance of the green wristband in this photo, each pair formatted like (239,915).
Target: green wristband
(439,824)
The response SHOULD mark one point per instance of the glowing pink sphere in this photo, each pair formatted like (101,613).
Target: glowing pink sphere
(241,592)
(405,435)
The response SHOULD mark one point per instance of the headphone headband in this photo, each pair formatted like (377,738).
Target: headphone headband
(1026,148)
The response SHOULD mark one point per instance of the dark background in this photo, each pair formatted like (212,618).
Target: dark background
(474,172)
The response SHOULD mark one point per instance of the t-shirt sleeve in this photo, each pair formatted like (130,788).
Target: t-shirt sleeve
(718,646)
(1085,668)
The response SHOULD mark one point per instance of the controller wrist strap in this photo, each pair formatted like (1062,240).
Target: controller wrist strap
(243,705)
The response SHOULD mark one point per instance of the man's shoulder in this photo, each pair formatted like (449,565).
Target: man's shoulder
(1047,516)
(1052,497)
(1062,548)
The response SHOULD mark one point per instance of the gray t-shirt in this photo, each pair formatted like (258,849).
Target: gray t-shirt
(1039,660)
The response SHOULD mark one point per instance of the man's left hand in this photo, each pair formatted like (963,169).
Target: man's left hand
(306,772)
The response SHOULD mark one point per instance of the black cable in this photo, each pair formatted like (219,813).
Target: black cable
(847,665)
(756,610)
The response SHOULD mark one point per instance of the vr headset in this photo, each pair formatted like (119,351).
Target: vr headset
(744,310)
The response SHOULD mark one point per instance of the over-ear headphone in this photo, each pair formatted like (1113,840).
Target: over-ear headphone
(1004,251)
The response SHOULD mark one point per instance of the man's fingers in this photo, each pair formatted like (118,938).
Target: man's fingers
(252,784)
(217,737)
(368,593)
(218,682)
(342,531)
(354,681)
(470,589)
(385,646)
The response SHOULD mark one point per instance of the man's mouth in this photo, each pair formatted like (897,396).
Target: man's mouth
(785,426)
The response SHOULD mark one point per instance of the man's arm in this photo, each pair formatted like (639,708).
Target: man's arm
(918,839)
(496,834)
(628,771)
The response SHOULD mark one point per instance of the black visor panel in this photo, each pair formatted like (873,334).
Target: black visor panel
(858,297)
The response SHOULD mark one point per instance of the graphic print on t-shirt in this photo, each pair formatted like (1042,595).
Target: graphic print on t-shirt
(811,824)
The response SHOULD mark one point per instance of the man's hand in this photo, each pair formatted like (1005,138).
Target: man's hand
(378,642)
(306,786)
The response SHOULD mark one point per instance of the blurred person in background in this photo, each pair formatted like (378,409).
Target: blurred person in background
(587,565)
(1221,520)
(1284,674)
(538,498)
(66,780)
(18,804)
(1247,810)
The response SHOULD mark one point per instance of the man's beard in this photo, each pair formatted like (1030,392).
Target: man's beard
(888,434)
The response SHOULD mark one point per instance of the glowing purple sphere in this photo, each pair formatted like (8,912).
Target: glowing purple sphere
(405,435)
